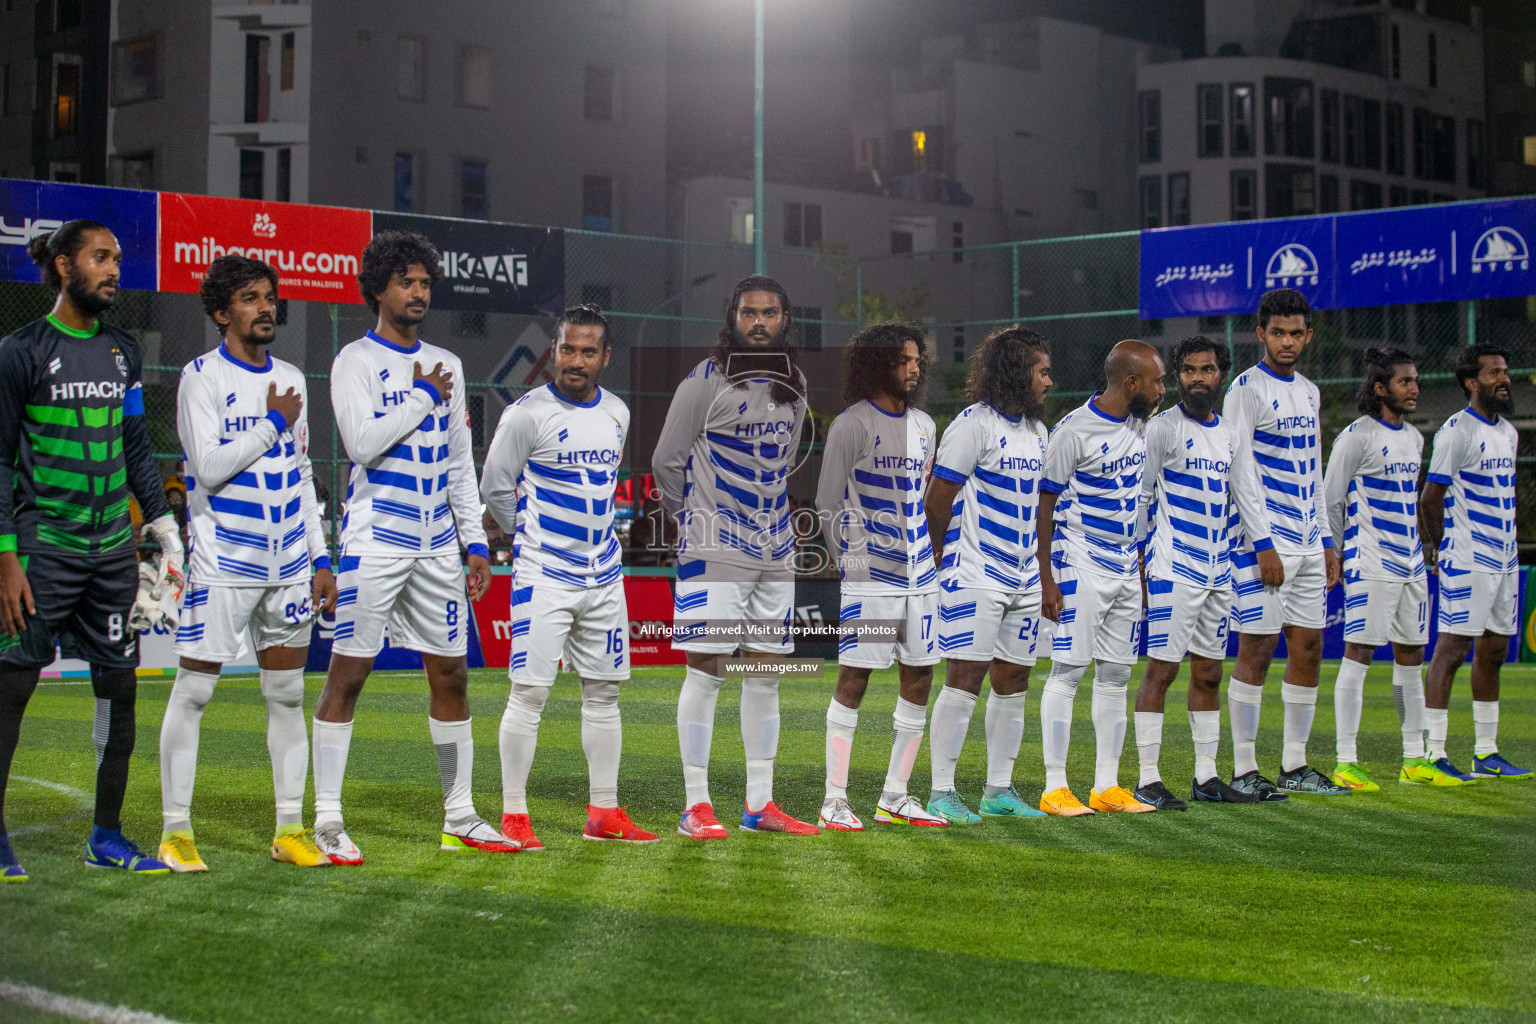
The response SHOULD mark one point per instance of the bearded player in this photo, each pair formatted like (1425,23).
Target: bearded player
(73,448)
(987,476)
(870,496)
(721,465)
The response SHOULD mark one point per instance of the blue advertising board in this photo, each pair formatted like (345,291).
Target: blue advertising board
(31,208)
(1448,253)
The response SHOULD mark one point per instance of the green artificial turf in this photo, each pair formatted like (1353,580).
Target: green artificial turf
(1413,904)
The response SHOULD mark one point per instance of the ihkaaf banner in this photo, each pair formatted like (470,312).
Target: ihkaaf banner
(314,248)
(32,208)
(491,268)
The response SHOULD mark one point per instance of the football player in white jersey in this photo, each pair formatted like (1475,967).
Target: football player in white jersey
(1189,571)
(1091,571)
(1469,537)
(870,496)
(981,507)
(255,538)
(1370,492)
(722,463)
(411,501)
(549,478)
(1284,564)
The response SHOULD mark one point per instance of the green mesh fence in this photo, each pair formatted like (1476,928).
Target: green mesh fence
(667,298)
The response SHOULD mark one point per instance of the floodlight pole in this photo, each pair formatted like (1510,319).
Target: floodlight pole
(759,256)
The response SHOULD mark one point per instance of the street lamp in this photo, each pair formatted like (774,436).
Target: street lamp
(759,255)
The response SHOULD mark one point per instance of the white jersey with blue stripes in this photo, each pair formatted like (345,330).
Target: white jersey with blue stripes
(252,516)
(1474,457)
(1094,464)
(1371,493)
(551,469)
(1189,463)
(990,543)
(1277,469)
(870,495)
(411,493)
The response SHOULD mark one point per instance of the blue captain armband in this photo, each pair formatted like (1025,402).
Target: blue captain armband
(480,549)
(133,402)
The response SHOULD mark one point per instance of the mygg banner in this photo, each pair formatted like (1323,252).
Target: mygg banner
(31,208)
(1225,268)
(314,248)
(491,268)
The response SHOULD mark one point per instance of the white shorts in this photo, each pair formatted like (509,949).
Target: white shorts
(1302,600)
(213,619)
(721,595)
(421,600)
(1473,603)
(914,612)
(1378,612)
(1186,620)
(588,630)
(978,625)
(1100,618)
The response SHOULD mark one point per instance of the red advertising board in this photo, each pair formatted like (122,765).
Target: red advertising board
(314,248)
(649,599)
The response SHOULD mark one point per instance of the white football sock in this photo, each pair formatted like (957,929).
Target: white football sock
(1205,729)
(1109,692)
(1437,723)
(602,739)
(1408,694)
(907,723)
(1005,733)
(1348,698)
(696,730)
(1056,721)
(455,743)
(1300,708)
(516,740)
(287,741)
(331,742)
(1485,727)
(1149,744)
(760,736)
(190,694)
(1243,703)
(951,720)
(841,723)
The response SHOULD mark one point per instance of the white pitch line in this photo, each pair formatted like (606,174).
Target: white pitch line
(79,1009)
(82,800)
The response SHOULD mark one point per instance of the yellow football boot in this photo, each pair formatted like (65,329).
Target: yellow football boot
(1063,803)
(299,848)
(179,853)
(1117,799)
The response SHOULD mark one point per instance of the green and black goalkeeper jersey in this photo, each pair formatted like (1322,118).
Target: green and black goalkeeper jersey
(73,442)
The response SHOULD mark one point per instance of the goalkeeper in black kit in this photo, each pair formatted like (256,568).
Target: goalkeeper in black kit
(73,447)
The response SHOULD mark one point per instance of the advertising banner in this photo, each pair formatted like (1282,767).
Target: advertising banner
(32,208)
(491,268)
(1225,268)
(314,248)
(649,599)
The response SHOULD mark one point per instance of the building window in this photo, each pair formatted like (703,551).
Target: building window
(1476,163)
(411,68)
(135,71)
(1418,197)
(1395,134)
(133,170)
(405,182)
(1242,119)
(1328,125)
(1397,195)
(1434,146)
(5,90)
(252,174)
(1209,100)
(1178,199)
(913,234)
(868,155)
(475,76)
(474,198)
(63,170)
(808,319)
(258,80)
(802,224)
(1362,132)
(959,344)
(284,191)
(285,66)
(1151,192)
(1434,62)
(1244,195)
(741,220)
(957,241)
(1288,128)
(1328,193)
(66,95)
(1397,53)
(601,94)
(597,202)
(1364,195)
(1151,108)
(1289,190)
(67,14)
